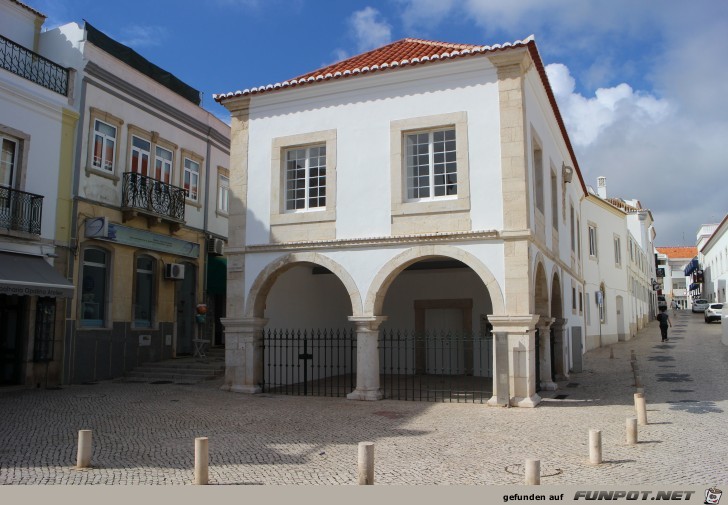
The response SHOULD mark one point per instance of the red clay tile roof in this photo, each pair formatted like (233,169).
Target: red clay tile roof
(622,205)
(397,54)
(678,252)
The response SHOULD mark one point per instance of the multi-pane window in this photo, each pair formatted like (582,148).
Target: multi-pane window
(8,158)
(140,155)
(223,193)
(617,251)
(578,237)
(431,164)
(104,145)
(191,179)
(93,287)
(305,178)
(592,240)
(144,292)
(573,231)
(538,177)
(554,201)
(163,165)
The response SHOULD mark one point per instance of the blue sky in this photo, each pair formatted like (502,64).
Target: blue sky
(641,83)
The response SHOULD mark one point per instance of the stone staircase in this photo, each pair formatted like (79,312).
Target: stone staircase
(183,370)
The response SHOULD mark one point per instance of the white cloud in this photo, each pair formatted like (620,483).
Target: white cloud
(370,30)
(143,35)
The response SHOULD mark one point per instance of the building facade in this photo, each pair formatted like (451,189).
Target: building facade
(37,124)
(714,259)
(420,187)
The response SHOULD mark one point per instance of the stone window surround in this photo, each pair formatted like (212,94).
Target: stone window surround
(224,172)
(593,226)
(21,164)
(154,139)
(278,214)
(187,154)
(398,129)
(114,121)
(617,251)
(539,181)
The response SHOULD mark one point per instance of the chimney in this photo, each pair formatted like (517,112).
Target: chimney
(602,187)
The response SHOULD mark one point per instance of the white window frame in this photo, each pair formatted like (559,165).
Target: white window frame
(104,164)
(166,165)
(593,249)
(223,191)
(13,170)
(431,176)
(308,179)
(617,251)
(141,155)
(188,172)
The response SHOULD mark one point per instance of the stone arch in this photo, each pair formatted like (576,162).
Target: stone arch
(541,297)
(386,275)
(255,305)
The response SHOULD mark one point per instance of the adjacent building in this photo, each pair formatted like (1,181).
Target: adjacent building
(674,260)
(714,260)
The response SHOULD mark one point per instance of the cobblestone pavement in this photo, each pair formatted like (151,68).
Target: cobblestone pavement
(144,433)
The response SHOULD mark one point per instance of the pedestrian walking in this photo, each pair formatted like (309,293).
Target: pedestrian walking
(664,320)
(675,306)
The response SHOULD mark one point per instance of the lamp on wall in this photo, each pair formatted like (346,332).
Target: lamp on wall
(567,172)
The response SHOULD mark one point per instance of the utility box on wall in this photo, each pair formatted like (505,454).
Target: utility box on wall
(145,340)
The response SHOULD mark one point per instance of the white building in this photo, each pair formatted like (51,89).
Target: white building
(675,260)
(37,124)
(415,188)
(714,260)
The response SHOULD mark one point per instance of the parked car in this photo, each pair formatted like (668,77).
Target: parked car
(699,305)
(661,302)
(714,312)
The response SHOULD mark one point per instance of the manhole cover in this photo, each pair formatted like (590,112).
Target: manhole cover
(161,382)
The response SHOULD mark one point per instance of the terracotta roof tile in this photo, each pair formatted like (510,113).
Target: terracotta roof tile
(678,252)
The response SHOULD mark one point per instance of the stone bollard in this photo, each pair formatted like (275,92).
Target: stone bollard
(83,455)
(366,463)
(640,390)
(533,472)
(595,447)
(640,405)
(632,430)
(638,381)
(202,460)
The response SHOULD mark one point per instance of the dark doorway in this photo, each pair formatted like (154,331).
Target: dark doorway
(12,326)
(185,296)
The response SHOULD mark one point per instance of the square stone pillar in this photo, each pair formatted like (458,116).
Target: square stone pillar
(560,362)
(367,358)
(521,332)
(243,354)
(544,332)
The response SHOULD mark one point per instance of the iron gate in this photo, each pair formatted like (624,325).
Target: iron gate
(309,362)
(436,366)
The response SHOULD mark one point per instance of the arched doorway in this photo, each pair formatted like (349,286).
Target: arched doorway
(559,370)
(542,374)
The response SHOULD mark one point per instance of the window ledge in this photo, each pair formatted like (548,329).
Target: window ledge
(313,216)
(102,173)
(193,203)
(461,204)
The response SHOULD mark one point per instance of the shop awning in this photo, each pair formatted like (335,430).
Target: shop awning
(24,275)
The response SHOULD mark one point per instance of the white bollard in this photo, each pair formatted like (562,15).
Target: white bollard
(533,472)
(638,381)
(202,460)
(640,405)
(632,430)
(595,447)
(83,455)
(366,463)
(640,390)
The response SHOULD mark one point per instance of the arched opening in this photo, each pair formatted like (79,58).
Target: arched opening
(558,348)
(541,306)
(308,342)
(436,342)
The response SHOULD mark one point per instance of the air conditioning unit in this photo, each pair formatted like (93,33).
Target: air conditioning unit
(215,246)
(174,271)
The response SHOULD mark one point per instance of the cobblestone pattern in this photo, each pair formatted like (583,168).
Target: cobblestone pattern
(144,433)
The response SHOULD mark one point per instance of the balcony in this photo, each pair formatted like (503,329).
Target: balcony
(20,211)
(32,66)
(156,200)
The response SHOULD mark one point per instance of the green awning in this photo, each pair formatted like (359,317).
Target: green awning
(216,275)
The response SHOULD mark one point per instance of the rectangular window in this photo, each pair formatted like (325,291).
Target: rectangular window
(578,237)
(617,251)
(223,193)
(140,155)
(305,178)
(93,288)
(554,201)
(8,160)
(592,240)
(431,164)
(538,177)
(144,292)
(163,165)
(573,298)
(191,179)
(104,146)
(573,230)
(581,302)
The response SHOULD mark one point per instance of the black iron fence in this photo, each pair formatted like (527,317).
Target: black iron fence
(32,66)
(309,362)
(436,366)
(20,211)
(153,197)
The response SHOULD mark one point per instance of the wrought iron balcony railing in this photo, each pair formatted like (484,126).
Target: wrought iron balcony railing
(20,211)
(153,197)
(32,66)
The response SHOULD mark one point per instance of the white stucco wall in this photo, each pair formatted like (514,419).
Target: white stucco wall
(17,24)
(714,259)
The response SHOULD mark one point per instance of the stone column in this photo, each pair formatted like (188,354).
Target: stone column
(243,354)
(562,370)
(521,332)
(367,358)
(544,331)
